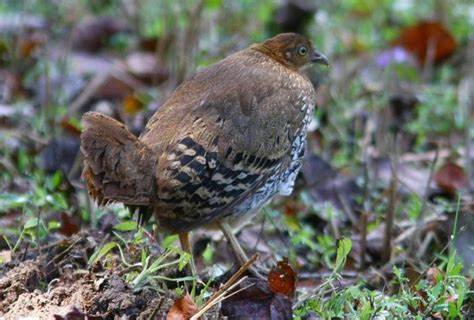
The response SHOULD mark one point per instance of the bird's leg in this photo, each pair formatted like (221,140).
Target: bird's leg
(236,248)
(186,246)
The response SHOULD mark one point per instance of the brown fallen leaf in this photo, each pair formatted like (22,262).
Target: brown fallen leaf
(425,36)
(451,177)
(183,308)
(291,208)
(256,301)
(68,227)
(282,278)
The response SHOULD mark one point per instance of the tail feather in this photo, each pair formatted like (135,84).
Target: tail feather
(118,166)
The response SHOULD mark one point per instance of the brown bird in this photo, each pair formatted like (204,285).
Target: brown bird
(226,141)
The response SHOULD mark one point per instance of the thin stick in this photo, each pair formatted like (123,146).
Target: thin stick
(363,239)
(419,221)
(62,253)
(240,290)
(425,244)
(155,311)
(230,283)
(387,241)
(218,298)
(238,274)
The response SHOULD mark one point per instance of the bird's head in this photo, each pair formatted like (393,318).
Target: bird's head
(292,50)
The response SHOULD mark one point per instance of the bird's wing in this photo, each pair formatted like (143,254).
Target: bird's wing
(231,142)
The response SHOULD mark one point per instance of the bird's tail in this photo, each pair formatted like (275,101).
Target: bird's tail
(118,167)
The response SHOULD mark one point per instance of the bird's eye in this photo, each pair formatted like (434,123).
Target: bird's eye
(302,51)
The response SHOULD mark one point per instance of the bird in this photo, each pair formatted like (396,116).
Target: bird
(226,141)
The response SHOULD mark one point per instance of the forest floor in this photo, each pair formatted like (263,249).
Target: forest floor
(381,222)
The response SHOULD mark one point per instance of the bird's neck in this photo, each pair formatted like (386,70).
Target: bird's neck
(262,48)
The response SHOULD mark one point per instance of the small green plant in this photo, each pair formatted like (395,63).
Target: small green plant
(144,268)
(331,308)
(439,294)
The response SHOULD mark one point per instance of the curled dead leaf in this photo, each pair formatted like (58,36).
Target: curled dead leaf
(183,308)
(282,278)
(68,227)
(291,208)
(255,300)
(451,177)
(427,38)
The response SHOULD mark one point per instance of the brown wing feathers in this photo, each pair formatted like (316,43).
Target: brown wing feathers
(222,145)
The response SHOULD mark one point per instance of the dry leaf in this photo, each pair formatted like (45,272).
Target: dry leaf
(291,208)
(425,36)
(68,227)
(450,177)
(183,308)
(256,301)
(282,278)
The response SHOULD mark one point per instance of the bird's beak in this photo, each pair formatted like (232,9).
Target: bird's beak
(320,58)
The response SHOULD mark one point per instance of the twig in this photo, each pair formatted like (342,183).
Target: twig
(410,230)
(279,232)
(87,93)
(363,238)
(427,156)
(225,288)
(23,258)
(346,208)
(62,253)
(238,274)
(335,227)
(115,71)
(424,245)
(190,40)
(434,260)
(387,240)
(466,102)
(260,232)
(75,170)
(429,60)
(322,275)
(155,311)
(419,222)
(240,290)
(219,298)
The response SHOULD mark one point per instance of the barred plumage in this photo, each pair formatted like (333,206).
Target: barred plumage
(224,143)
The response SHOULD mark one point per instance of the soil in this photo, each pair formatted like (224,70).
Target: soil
(56,281)
(56,284)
